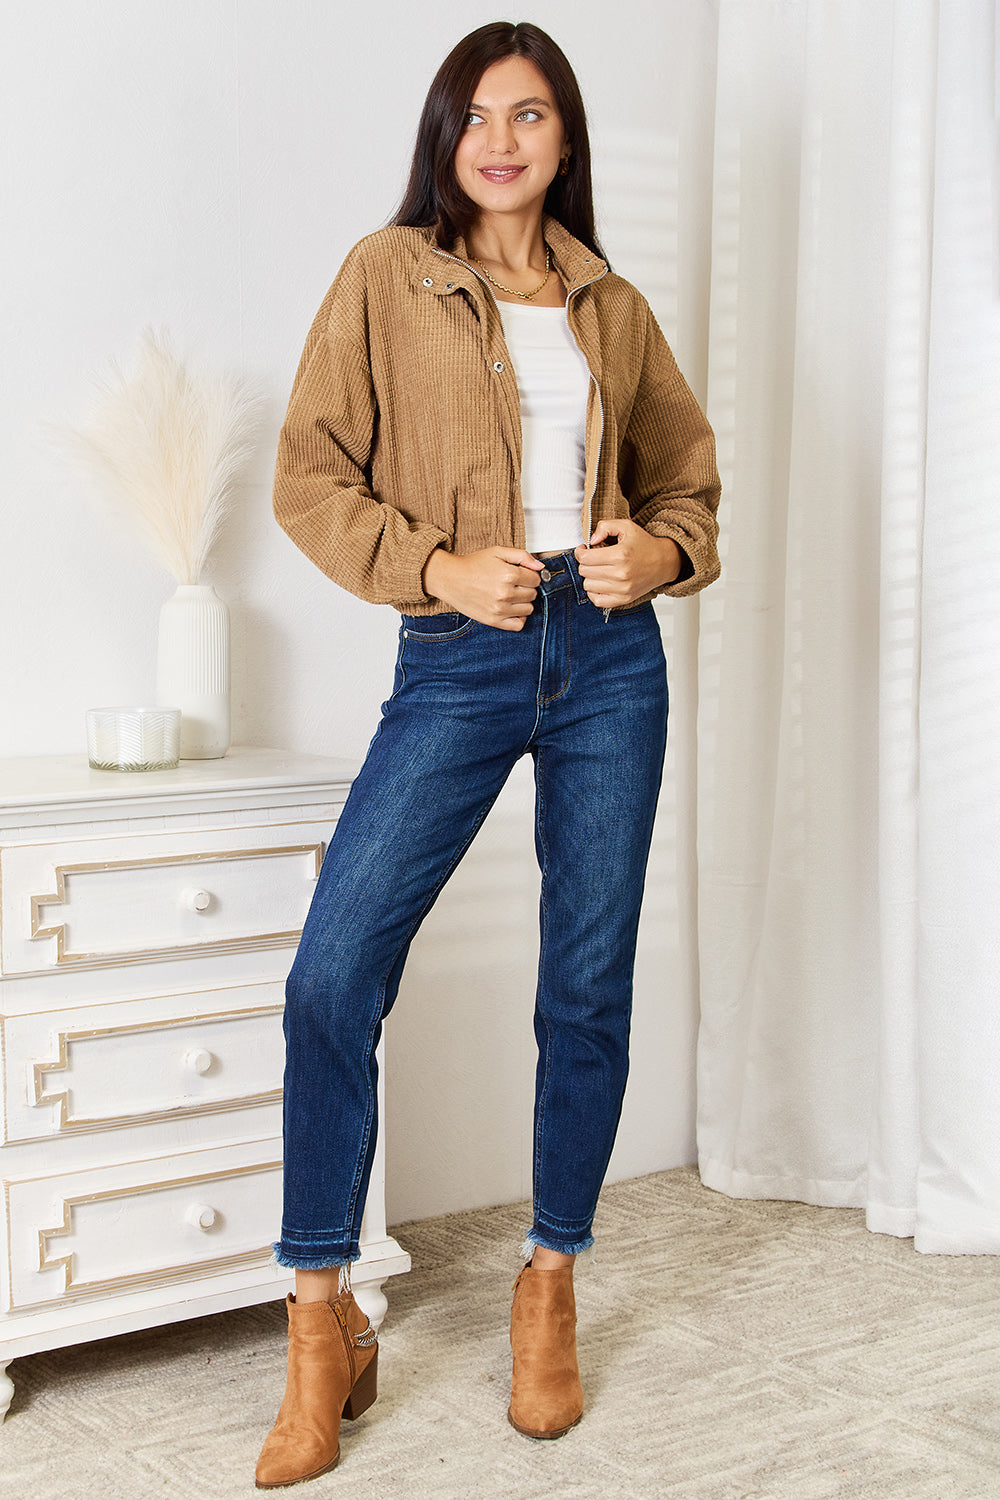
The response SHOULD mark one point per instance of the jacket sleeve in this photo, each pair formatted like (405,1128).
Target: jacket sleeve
(323,496)
(667,465)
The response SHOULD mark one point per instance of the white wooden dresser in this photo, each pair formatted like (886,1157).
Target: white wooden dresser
(147,922)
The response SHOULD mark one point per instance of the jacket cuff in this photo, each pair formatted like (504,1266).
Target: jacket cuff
(424,542)
(700,565)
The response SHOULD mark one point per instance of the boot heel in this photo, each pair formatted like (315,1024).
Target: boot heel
(363,1391)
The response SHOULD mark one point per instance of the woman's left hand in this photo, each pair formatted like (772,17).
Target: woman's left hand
(636,565)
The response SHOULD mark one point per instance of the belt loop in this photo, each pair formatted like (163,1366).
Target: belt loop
(574,573)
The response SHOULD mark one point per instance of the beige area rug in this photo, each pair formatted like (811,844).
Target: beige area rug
(729,1351)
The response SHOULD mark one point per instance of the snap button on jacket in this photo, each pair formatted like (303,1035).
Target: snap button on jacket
(403,433)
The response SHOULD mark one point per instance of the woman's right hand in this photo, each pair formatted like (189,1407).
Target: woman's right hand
(496,586)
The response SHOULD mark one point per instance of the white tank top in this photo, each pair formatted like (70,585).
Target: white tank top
(553,380)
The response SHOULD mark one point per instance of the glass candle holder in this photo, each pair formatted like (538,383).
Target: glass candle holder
(133,739)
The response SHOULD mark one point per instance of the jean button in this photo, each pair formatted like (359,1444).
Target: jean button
(545,575)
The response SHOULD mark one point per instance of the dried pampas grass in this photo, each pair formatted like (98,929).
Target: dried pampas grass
(167,447)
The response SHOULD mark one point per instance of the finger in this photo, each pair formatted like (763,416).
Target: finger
(609,528)
(521,578)
(599,593)
(610,555)
(510,604)
(519,558)
(603,565)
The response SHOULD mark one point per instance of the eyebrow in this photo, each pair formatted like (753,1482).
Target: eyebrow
(521,103)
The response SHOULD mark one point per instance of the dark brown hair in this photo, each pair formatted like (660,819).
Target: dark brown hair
(433,198)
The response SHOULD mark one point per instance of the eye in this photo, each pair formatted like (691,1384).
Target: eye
(472,117)
(530,114)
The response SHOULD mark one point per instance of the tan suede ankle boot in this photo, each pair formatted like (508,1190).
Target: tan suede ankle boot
(546,1398)
(332,1372)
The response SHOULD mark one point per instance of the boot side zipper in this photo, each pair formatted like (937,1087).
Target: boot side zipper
(348,1341)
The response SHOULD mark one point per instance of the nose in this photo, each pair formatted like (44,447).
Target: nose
(501,140)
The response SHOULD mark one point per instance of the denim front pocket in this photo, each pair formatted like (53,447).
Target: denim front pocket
(445,627)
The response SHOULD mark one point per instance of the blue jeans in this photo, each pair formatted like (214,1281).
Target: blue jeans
(586,696)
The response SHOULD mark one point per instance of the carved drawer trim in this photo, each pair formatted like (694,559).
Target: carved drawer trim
(134,1235)
(38,1095)
(209,943)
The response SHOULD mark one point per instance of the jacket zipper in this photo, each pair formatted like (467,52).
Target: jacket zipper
(589,497)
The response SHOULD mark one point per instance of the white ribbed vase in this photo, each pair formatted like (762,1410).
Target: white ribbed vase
(192,668)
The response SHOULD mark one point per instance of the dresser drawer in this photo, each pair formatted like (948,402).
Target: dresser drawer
(100,1066)
(140,1224)
(119,900)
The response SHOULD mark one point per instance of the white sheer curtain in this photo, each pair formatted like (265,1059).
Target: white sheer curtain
(849,718)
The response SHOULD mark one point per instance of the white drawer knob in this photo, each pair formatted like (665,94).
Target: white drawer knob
(198,1060)
(201,1216)
(197,900)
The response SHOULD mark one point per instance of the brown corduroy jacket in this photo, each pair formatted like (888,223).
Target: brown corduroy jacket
(403,431)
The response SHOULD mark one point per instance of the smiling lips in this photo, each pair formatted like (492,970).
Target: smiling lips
(501,174)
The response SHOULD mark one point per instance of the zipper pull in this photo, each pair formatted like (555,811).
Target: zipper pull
(607,612)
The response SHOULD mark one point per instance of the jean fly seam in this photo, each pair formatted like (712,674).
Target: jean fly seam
(541,669)
(554,697)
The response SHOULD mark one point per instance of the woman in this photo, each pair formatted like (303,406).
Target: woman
(488,432)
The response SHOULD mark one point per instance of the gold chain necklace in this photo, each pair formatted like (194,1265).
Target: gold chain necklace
(525,296)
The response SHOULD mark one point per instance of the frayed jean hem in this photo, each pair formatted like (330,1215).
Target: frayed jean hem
(292,1261)
(546,1241)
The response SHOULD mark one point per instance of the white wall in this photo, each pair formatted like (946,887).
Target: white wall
(203,167)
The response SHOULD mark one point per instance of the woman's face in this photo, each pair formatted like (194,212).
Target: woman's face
(513,140)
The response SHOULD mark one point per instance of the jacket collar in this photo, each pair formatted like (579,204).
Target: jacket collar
(443,271)
(576,264)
